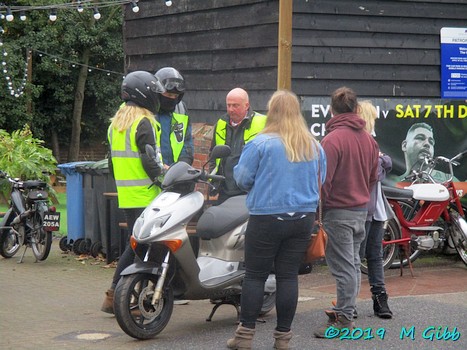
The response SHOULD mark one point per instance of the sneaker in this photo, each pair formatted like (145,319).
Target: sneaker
(380,305)
(355,313)
(180,302)
(335,321)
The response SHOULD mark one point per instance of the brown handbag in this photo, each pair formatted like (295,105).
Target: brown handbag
(317,245)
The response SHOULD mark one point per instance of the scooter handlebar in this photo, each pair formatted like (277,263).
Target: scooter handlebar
(216,177)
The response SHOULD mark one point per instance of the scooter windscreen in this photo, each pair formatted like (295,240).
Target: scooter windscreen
(180,172)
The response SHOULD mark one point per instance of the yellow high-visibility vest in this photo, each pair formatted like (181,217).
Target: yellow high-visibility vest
(131,179)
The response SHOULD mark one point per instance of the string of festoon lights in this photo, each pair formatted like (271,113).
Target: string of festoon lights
(8,13)
(17,92)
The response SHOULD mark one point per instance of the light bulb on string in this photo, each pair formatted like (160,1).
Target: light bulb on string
(9,16)
(80,7)
(168,3)
(134,7)
(53,15)
(22,16)
(97,15)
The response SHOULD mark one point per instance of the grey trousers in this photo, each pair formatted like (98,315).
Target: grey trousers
(346,231)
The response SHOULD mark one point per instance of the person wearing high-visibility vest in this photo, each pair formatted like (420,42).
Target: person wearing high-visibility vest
(173,136)
(236,128)
(132,128)
(176,139)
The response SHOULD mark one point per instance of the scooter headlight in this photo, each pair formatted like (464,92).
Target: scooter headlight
(158,223)
(138,226)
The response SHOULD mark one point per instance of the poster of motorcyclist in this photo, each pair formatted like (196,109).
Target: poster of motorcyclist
(409,130)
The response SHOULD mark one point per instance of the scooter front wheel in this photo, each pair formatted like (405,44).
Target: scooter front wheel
(458,231)
(133,307)
(9,243)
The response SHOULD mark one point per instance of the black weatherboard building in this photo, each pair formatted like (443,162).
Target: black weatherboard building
(388,51)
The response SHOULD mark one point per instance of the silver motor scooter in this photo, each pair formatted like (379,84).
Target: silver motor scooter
(167,265)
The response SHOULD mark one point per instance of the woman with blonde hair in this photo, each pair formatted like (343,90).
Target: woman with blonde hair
(368,112)
(132,128)
(279,170)
(372,247)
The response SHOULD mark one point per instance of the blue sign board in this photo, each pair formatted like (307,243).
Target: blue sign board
(454,63)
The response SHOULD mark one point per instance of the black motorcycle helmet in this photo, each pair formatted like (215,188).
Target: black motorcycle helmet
(143,89)
(173,82)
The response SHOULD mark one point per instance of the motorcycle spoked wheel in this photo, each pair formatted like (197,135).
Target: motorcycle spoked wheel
(134,312)
(459,236)
(390,251)
(41,240)
(9,243)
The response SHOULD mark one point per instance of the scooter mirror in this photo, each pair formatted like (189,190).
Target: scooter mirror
(220,151)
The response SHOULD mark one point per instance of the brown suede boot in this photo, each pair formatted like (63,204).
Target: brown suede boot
(108,304)
(282,339)
(243,338)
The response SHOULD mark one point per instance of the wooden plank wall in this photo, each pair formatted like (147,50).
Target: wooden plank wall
(378,48)
(217,45)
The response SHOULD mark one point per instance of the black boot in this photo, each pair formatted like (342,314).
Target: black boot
(380,305)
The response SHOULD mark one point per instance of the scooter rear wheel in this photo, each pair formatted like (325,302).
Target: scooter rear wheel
(391,233)
(269,301)
(41,240)
(133,309)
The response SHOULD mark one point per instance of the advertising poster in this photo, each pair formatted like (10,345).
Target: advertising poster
(453,62)
(408,129)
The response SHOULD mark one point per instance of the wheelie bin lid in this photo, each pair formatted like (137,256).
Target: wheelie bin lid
(72,168)
(95,168)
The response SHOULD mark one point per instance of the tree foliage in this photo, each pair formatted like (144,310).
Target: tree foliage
(67,98)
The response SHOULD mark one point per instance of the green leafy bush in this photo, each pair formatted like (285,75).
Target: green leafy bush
(24,157)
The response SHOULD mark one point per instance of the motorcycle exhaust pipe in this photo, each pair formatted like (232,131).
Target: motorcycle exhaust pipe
(20,217)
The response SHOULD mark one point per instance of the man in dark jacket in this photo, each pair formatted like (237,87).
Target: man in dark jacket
(352,161)
(236,128)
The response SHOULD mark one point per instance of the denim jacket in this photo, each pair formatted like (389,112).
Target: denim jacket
(274,184)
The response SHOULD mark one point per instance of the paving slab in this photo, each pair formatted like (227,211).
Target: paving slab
(55,304)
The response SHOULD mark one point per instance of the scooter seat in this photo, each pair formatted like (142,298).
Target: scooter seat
(397,193)
(220,219)
(34,184)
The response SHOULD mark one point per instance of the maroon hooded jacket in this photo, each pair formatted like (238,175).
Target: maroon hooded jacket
(352,163)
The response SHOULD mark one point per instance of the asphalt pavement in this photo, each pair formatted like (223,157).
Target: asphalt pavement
(55,304)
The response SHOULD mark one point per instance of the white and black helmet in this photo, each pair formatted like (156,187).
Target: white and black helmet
(143,89)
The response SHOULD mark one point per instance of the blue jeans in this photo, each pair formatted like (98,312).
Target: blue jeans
(372,249)
(272,243)
(346,231)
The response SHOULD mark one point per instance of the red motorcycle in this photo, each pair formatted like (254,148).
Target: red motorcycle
(427,215)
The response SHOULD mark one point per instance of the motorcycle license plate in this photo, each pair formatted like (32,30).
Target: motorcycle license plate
(51,221)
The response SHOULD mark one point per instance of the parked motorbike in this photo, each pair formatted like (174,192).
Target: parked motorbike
(29,220)
(428,215)
(166,264)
